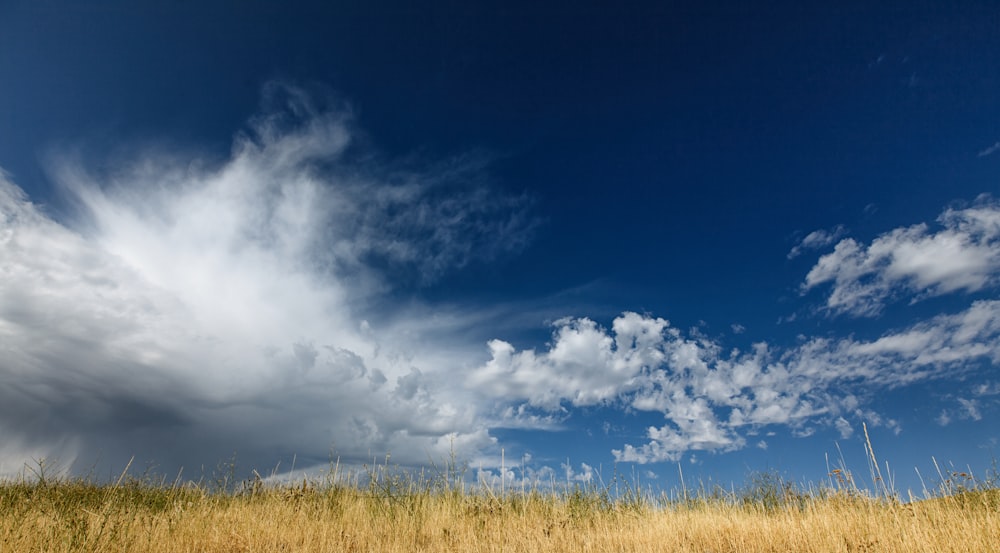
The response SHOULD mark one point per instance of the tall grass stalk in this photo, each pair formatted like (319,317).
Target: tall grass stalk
(389,510)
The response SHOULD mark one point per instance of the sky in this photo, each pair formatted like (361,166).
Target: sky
(560,241)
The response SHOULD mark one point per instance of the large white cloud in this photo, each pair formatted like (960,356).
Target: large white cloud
(585,365)
(188,310)
(964,255)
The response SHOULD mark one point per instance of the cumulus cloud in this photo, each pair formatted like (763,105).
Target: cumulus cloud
(713,399)
(190,309)
(585,474)
(585,366)
(962,256)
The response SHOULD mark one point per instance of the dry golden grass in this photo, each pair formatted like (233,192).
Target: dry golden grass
(70,516)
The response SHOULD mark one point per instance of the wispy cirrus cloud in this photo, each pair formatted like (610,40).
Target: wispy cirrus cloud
(984,397)
(915,261)
(192,309)
(816,239)
(989,150)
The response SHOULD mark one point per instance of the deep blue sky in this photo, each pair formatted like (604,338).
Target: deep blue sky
(221,201)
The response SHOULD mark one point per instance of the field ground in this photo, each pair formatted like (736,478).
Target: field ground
(387,515)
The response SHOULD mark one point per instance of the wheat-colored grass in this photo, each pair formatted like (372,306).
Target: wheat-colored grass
(75,516)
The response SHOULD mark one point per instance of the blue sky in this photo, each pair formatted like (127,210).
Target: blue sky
(714,238)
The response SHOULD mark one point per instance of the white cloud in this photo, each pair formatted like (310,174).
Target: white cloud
(970,408)
(964,255)
(990,150)
(876,420)
(585,474)
(844,427)
(816,239)
(712,401)
(670,444)
(803,432)
(190,310)
(584,366)
(987,389)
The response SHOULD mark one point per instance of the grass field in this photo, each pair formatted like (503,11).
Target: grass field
(394,512)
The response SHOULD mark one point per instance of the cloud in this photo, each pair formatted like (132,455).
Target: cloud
(844,427)
(586,366)
(984,399)
(585,474)
(713,399)
(990,150)
(968,409)
(187,309)
(190,309)
(816,239)
(963,256)
(987,389)
(971,408)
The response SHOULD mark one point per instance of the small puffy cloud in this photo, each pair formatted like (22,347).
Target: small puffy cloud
(584,475)
(815,240)
(962,256)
